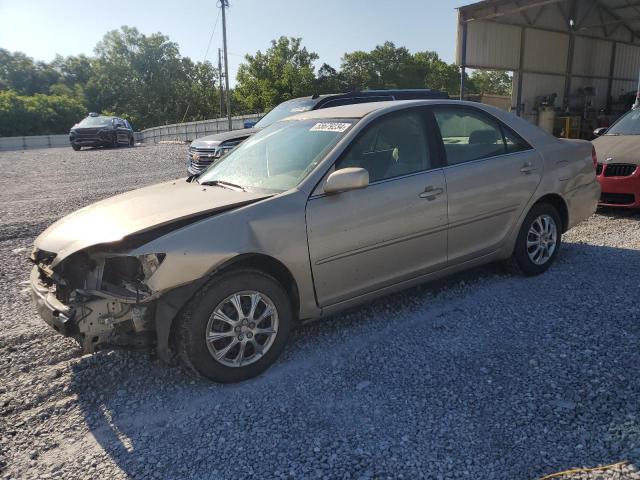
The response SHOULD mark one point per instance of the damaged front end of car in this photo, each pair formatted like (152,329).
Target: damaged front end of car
(97,296)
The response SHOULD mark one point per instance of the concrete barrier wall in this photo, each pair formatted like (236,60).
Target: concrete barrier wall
(184,132)
(187,132)
(34,141)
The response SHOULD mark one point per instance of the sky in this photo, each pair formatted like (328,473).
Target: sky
(43,28)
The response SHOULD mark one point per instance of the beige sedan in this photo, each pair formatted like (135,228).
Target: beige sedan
(314,214)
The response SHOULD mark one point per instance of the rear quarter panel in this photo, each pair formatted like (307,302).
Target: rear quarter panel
(571,174)
(568,172)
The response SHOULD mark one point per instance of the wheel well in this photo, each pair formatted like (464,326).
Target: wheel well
(559,204)
(271,266)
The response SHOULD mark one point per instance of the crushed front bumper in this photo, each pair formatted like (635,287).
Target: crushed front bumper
(95,320)
(57,315)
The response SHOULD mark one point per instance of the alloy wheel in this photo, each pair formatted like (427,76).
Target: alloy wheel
(242,328)
(542,239)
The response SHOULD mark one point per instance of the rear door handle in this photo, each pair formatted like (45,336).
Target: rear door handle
(431,192)
(527,168)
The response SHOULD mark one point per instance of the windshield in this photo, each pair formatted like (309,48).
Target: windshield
(279,157)
(286,109)
(629,124)
(95,122)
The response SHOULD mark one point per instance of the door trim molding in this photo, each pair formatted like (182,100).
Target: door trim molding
(386,243)
(485,216)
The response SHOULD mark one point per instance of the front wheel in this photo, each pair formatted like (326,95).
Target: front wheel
(538,241)
(76,147)
(236,327)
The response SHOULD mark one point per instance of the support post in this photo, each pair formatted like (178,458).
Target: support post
(572,40)
(612,69)
(224,6)
(463,59)
(220,81)
(519,111)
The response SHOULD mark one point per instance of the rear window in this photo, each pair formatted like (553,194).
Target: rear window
(286,109)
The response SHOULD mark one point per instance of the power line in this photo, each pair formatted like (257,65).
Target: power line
(213,30)
(211,37)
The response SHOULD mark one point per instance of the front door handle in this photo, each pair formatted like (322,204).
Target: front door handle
(527,168)
(431,192)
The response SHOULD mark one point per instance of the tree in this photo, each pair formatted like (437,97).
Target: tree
(491,82)
(386,66)
(283,72)
(37,114)
(330,80)
(21,74)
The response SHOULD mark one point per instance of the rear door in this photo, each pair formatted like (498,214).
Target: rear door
(491,175)
(392,230)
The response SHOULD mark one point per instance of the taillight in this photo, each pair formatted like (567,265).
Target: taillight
(594,157)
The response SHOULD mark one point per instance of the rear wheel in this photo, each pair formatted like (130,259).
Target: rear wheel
(538,240)
(236,327)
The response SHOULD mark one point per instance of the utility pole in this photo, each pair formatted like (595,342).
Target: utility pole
(220,79)
(224,4)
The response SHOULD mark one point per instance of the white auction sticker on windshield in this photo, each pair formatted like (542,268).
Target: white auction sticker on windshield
(337,127)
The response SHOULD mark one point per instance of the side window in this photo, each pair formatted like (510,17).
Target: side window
(392,146)
(468,135)
(513,141)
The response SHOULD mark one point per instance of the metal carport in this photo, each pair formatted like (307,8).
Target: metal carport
(586,49)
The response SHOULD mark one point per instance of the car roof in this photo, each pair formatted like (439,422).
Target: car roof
(418,93)
(359,110)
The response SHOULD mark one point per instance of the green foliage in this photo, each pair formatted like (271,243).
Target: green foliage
(491,81)
(144,79)
(283,72)
(138,77)
(37,114)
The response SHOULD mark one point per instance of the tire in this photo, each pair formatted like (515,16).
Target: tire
(197,322)
(77,148)
(524,259)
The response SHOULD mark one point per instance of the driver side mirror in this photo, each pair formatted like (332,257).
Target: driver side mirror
(599,131)
(346,179)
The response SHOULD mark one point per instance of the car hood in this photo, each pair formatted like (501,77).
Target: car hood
(619,148)
(211,141)
(137,211)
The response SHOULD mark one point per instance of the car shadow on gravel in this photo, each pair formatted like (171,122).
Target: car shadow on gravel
(619,212)
(483,375)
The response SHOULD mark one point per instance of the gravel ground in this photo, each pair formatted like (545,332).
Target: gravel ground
(483,376)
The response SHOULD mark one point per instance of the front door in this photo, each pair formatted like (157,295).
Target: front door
(392,230)
(491,175)
(122,132)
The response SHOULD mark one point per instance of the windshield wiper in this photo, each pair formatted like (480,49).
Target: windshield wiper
(221,183)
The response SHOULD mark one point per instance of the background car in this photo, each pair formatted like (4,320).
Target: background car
(205,150)
(314,214)
(619,171)
(99,130)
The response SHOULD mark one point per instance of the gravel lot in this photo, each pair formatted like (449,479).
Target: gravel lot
(483,376)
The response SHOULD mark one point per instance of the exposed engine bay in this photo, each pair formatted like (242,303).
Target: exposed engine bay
(97,297)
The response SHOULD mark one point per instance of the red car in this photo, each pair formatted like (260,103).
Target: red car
(618,170)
